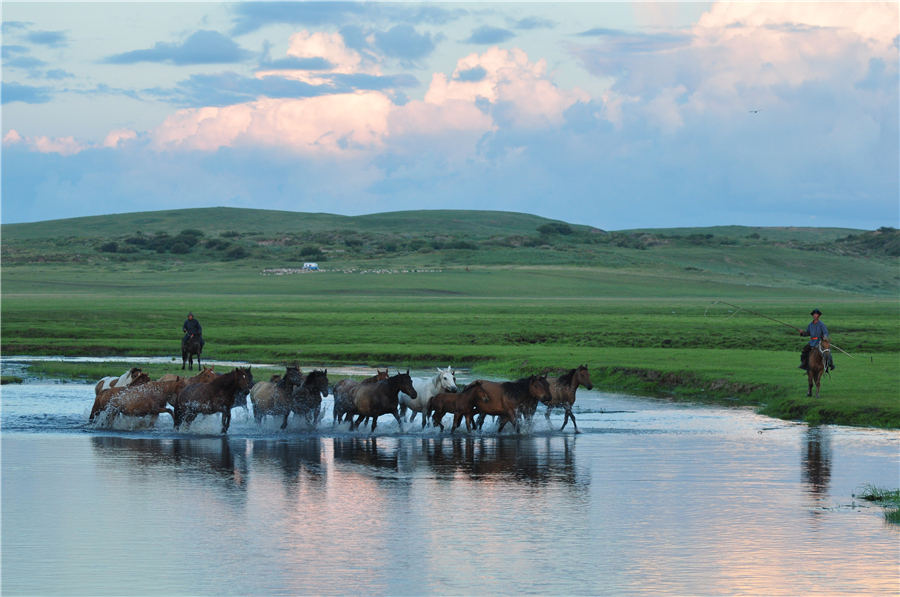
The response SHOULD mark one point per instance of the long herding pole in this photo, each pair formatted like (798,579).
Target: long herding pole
(782,323)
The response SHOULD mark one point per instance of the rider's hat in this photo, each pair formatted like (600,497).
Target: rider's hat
(814,311)
(190,314)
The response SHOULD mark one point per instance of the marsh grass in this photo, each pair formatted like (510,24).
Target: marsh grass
(889,499)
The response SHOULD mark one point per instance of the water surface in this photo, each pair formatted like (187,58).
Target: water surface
(652,498)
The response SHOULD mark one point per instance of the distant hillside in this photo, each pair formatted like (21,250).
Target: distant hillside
(215,220)
(835,258)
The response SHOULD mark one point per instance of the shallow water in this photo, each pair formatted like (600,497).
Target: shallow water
(652,498)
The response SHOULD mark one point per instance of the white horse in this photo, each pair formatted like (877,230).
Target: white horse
(444,381)
(116,382)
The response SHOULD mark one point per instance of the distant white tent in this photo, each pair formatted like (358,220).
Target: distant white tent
(311,266)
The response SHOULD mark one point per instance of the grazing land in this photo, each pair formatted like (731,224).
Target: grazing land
(503,294)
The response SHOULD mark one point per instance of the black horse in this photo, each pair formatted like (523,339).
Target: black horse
(191,345)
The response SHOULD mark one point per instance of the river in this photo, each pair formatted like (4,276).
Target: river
(652,498)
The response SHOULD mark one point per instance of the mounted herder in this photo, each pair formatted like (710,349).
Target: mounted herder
(817,332)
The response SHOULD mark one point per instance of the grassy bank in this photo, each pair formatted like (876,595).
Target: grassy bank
(681,347)
(503,294)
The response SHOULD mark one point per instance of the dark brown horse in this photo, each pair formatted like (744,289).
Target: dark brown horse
(274,399)
(306,399)
(816,368)
(381,398)
(344,393)
(562,392)
(509,398)
(216,396)
(102,398)
(461,404)
(191,346)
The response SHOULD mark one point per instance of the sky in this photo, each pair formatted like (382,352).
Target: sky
(615,115)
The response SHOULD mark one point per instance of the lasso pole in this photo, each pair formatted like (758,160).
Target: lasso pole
(782,323)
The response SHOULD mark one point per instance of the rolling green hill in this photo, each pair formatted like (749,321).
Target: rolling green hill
(847,260)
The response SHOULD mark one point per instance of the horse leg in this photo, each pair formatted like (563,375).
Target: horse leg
(809,377)
(284,423)
(226,419)
(571,415)
(399,421)
(481,417)
(375,422)
(184,357)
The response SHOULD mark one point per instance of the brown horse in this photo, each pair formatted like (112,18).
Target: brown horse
(381,398)
(461,404)
(816,367)
(216,396)
(101,400)
(306,400)
(562,392)
(274,399)
(509,398)
(148,399)
(344,392)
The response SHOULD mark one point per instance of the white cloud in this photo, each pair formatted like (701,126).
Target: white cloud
(115,137)
(348,123)
(321,45)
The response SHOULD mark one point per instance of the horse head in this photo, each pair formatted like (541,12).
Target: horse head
(539,388)
(584,377)
(404,383)
(447,380)
(293,375)
(317,382)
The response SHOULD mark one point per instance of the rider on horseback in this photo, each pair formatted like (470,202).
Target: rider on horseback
(816,331)
(192,328)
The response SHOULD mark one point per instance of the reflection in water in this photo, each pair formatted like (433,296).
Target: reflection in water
(206,457)
(817,460)
(298,461)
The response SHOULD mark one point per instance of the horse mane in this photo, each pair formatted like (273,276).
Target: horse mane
(566,378)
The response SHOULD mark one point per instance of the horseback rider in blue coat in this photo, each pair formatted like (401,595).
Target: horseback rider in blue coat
(816,331)
(192,327)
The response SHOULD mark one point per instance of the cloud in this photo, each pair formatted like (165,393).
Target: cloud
(496,87)
(54,39)
(490,35)
(202,47)
(228,88)
(533,23)
(28,94)
(403,41)
(250,16)
(42,144)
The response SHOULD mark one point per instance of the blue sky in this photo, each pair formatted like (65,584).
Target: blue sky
(616,115)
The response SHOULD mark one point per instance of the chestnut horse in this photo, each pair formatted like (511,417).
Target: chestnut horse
(461,404)
(345,390)
(274,399)
(102,398)
(816,367)
(216,396)
(381,398)
(562,392)
(509,398)
(306,399)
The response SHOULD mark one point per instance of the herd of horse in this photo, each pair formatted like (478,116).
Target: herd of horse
(134,394)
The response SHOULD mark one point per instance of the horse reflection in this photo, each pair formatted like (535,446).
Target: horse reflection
(365,452)
(817,460)
(203,456)
(299,460)
(539,461)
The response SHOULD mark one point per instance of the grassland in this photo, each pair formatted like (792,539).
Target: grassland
(644,309)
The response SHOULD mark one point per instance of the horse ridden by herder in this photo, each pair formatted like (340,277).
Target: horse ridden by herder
(816,331)
(193,333)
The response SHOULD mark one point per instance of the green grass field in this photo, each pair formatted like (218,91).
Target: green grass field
(648,320)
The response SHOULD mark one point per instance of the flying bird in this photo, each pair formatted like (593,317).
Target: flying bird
(753,111)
